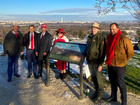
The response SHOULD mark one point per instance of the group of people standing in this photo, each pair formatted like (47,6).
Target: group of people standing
(117,48)
(37,50)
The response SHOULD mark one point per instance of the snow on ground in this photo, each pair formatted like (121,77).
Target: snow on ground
(24,91)
(137,51)
(1,49)
(31,91)
(134,61)
(75,69)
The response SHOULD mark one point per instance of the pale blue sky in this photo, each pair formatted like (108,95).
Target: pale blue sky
(53,10)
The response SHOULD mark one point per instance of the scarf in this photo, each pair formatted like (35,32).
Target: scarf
(110,46)
(59,39)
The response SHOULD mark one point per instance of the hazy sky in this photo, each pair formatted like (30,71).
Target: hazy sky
(53,10)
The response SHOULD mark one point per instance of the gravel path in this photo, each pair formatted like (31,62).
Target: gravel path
(23,91)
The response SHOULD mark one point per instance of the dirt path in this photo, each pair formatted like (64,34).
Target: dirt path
(23,91)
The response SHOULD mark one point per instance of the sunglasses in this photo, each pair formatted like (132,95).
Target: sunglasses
(60,32)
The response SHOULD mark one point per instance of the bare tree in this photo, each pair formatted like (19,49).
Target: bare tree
(132,6)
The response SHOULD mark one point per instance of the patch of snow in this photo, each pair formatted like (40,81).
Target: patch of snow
(73,82)
(66,95)
(137,51)
(138,66)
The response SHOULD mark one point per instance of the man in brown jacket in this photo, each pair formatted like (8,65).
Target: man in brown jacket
(119,50)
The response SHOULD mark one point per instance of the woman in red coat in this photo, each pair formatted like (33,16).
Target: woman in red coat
(60,64)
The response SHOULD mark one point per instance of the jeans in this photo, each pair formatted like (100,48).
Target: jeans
(12,60)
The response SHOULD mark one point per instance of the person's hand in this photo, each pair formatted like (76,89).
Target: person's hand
(44,54)
(22,53)
(100,68)
(36,53)
(57,36)
(6,55)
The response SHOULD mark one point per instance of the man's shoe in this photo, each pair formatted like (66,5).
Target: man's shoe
(29,76)
(35,76)
(9,79)
(17,75)
(110,99)
(98,99)
(124,103)
(93,95)
(64,75)
(61,76)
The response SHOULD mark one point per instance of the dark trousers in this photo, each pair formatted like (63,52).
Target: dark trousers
(41,65)
(116,76)
(31,58)
(97,78)
(11,61)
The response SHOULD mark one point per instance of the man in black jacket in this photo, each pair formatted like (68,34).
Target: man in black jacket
(44,42)
(29,40)
(12,48)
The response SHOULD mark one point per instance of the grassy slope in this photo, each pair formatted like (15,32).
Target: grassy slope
(132,69)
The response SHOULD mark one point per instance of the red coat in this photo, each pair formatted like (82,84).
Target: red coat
(60,64)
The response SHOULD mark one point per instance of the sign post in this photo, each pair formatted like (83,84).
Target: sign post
(81,82)
(48,72)
(71,53)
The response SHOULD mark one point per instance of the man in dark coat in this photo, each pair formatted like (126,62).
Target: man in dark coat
(44,42)
(12,48)
(29,40)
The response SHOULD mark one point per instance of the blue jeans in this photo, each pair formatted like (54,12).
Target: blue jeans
(11,61)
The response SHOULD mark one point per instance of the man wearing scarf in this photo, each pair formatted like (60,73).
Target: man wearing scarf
(95,58)
(119,50)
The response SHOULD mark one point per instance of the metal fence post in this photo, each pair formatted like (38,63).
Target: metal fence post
(48,73)
(81,82)
(68,67)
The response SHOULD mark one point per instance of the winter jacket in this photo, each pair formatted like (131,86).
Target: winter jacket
(12,44)
(96,48)
(123,52)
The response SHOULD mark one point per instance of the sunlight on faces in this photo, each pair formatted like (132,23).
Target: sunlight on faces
(31,29)
(43,29)
(113,29)
(95,30)
(15,29)
(60,34)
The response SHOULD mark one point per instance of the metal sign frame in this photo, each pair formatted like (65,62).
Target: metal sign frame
(79,62)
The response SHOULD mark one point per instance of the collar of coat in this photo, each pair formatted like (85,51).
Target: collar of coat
(11,32)
(91,35)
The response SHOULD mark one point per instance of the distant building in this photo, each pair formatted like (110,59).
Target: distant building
(61,19)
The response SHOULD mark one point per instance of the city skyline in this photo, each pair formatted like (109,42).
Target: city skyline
(35,10)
